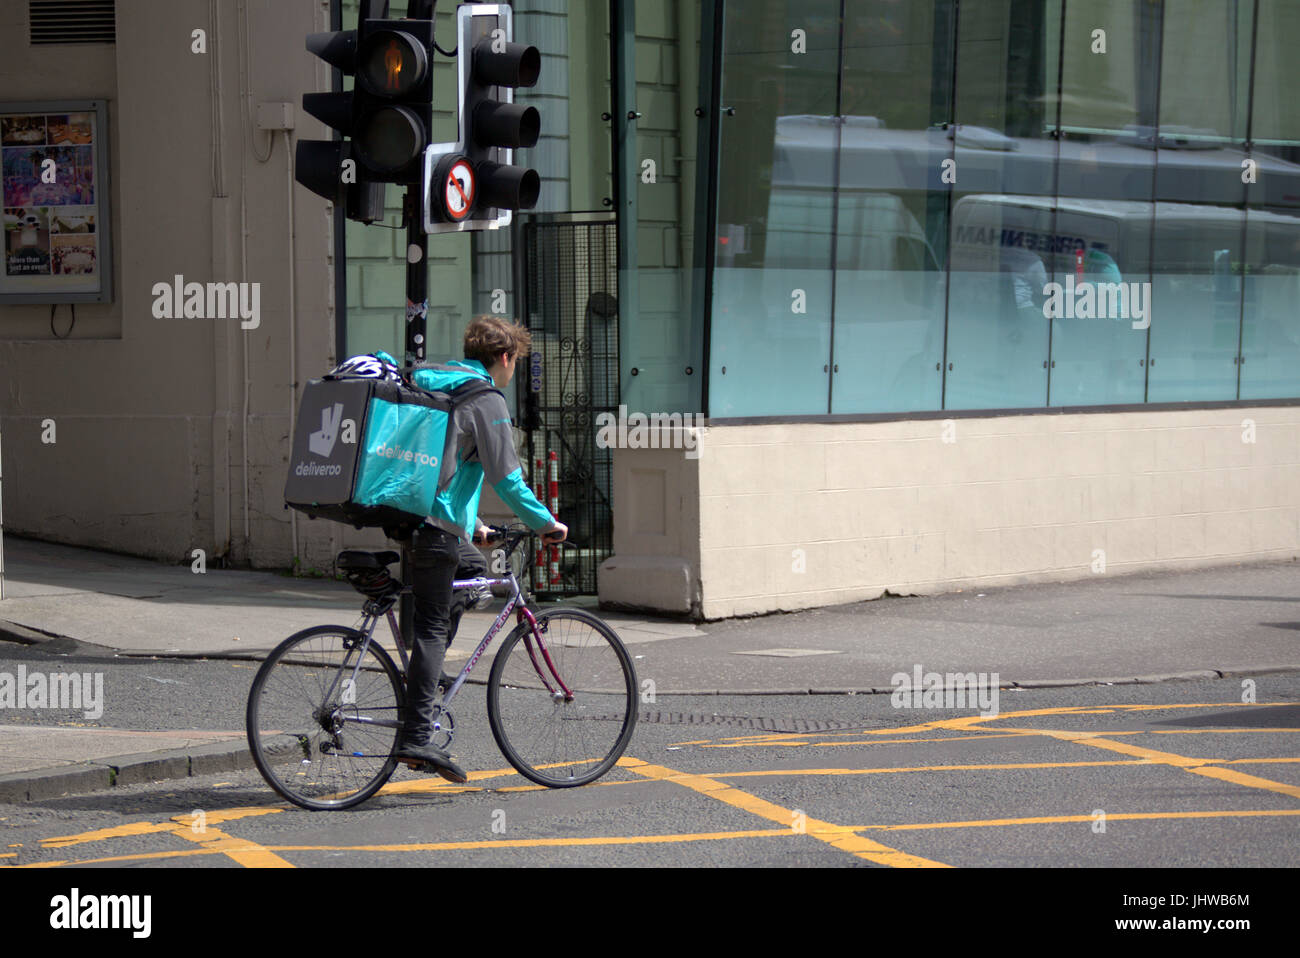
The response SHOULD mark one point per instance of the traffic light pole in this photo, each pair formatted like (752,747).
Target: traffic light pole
(417,310)
(484,180)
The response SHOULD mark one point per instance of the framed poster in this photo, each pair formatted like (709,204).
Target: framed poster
(57,245)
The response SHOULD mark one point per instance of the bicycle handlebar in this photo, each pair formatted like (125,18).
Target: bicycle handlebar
(512,535)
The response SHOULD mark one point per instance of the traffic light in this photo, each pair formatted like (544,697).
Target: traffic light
(329,168)
(392,106)
(474,184)
(385,118)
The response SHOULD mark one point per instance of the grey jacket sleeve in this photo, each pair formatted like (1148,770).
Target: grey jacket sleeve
(487,421)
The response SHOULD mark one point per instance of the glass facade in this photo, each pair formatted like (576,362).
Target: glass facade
(876,207)
(657,48)
(1004,204)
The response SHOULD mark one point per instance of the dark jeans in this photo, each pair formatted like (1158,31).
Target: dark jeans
(437,557)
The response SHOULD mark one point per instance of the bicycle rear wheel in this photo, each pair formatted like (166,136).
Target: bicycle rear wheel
(553,739)
(310,715)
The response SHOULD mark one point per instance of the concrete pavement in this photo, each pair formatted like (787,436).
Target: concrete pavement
(1239,619)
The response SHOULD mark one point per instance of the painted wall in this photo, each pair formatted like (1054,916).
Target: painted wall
(162,424)
(795,516)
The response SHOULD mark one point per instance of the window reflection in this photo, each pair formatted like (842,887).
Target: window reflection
(770,334)
(1009,204)
(1270,336)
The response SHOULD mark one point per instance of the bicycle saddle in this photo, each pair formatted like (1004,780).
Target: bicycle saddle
(350,560)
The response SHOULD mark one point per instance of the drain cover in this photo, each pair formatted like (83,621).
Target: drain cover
(733,721)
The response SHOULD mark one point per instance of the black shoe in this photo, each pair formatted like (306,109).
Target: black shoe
(444,681)
(432,755)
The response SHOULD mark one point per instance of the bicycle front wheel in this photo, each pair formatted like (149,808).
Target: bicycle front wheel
(323,720)
(555,738)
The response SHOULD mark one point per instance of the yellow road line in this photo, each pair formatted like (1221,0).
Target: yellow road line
(450,846)
(241,850)
(247,853)
(1207,731)
(1066,819)
(252,854)
(916,768)
(1250,781)
(141,856)
(415,788)
(1200,705)
(101,834)
(440,787)
(215,817)
(1024,713)
(997,733)
(973,721)
(546,842)
(39,865)
(1197,766)
(888,741)
(835,835)
(445,789)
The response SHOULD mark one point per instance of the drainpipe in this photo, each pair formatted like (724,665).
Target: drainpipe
(221,404)
(688,71)
(293,323)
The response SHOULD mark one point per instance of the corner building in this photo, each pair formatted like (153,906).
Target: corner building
(966,292)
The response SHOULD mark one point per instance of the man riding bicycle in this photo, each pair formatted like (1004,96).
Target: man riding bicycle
(481,434)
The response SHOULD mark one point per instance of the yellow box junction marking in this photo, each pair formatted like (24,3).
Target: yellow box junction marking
(1197,766)
(1070,819)
(251,854)
(838,836)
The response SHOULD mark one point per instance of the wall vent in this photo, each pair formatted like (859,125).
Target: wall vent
(72,21)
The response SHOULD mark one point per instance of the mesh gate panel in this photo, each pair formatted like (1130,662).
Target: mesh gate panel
(572,312)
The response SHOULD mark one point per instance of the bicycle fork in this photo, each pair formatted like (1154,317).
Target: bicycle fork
(535,633)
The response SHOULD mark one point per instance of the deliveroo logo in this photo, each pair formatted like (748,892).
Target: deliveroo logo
(322,443)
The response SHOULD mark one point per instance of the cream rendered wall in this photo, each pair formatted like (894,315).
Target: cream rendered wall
(801,515)
(149,453)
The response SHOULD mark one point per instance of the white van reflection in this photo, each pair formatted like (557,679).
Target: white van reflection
(1006,249)
(850,191)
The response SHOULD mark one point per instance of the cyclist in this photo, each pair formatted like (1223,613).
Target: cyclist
(470,565)
(484,442)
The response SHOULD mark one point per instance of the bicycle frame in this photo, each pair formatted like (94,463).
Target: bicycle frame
(375,609)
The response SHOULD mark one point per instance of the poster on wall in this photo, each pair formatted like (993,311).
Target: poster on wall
(55,202)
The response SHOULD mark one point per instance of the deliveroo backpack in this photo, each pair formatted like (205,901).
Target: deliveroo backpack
(369,446)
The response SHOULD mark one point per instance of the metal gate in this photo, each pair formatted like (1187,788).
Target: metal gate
(571,308)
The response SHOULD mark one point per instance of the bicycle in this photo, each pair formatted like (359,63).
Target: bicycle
(326,706)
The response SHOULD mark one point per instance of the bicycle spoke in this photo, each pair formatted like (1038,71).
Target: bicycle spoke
(307,689)
(550,740)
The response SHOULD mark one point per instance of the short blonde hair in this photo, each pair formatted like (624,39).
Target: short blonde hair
(487,337)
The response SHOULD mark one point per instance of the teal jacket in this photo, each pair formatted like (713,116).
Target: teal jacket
(480,433)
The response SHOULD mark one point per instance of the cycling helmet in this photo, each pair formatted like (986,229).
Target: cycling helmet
(375,366)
